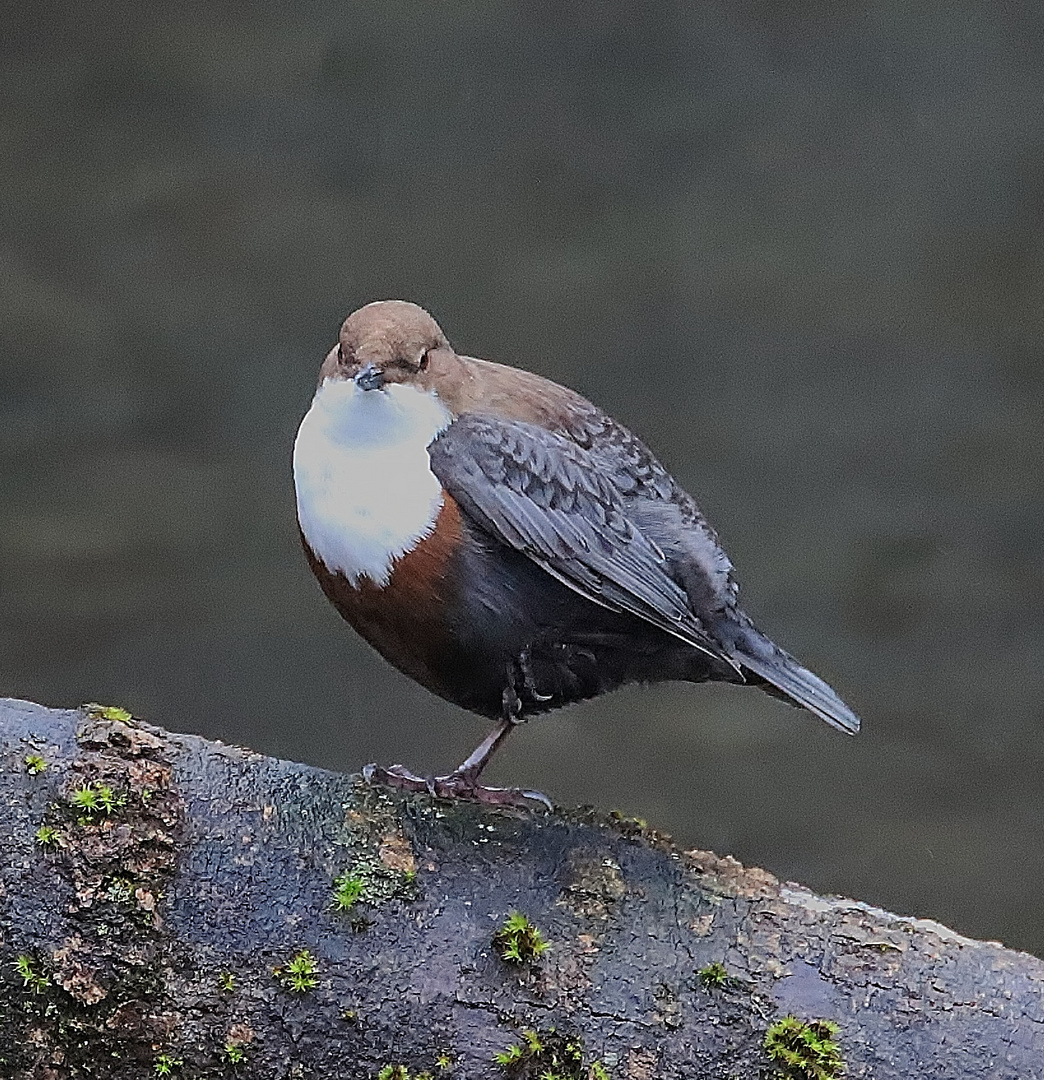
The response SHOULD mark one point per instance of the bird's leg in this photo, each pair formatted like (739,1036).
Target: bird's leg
(462,783)
(470,768)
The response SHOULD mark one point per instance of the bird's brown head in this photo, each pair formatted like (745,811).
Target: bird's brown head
(393,341)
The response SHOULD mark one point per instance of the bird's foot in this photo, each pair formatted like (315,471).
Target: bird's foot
(456,785)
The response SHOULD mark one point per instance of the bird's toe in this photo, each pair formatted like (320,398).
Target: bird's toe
(396,776)
(456,785)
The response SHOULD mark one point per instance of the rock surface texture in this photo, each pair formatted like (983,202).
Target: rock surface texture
(172,906)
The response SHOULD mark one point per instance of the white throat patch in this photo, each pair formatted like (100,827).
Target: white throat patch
(365,490)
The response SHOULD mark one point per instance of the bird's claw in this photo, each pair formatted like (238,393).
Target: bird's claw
(456,785)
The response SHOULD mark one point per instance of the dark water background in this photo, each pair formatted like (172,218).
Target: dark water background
(798,246)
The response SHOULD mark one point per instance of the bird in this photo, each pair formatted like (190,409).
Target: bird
(508,544)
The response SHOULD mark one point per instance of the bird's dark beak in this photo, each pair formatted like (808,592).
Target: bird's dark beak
(370,377)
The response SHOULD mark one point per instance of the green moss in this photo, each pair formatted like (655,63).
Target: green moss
(227,981)
(95,800)
(47,835)
(511,1056)
(805,1051)
(120,889)
(35,764)
(31,973)
(165,1065)
(518,941)
(548,1055)
(714,976)
(348,888)
(109,799)
(234,1053)
(108,712)
(86,799)
(369,881)
(298,976)
(402,1072)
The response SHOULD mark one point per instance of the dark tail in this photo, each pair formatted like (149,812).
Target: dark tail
(797,684)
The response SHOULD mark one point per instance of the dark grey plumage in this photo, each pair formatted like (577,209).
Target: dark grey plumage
(601,515)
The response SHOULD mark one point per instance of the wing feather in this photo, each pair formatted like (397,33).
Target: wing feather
(553,500)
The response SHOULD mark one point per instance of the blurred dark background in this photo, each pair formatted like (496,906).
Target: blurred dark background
(798,246)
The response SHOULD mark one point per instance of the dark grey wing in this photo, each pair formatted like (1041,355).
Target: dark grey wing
(664,511)
(556,502)
(660,508)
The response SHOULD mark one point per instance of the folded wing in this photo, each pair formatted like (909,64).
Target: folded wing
(555,502)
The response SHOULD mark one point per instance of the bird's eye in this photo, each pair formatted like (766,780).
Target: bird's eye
(422,363)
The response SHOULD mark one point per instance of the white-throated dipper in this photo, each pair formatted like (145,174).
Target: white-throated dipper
(507,544)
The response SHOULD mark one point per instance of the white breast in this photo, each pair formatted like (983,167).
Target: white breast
(365,490)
